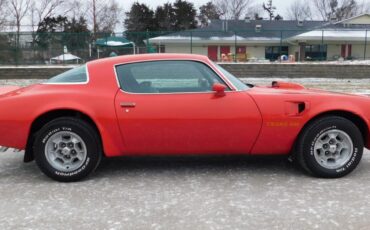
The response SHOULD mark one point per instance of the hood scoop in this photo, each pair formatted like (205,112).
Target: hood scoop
(286,85)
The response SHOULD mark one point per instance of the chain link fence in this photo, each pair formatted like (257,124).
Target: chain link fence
(28,48)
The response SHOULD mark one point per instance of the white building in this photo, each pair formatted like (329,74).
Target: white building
(260,39)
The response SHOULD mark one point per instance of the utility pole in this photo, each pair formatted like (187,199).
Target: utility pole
(94,17)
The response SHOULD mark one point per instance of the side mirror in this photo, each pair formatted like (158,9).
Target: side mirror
(219,89)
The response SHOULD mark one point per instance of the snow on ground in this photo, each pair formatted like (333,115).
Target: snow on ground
(197,193)
(20,82)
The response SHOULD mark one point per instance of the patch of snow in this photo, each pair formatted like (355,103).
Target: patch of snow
(336,35)
(65,57)
(117,43)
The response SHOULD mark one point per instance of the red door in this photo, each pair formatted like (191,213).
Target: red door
(225,50)
(212,53)
(188,123)
(346,51)
(170,108)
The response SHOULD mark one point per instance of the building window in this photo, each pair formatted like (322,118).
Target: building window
(272,53)
(315,52)
(161,48)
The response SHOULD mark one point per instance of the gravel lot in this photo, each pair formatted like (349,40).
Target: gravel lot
(185,193)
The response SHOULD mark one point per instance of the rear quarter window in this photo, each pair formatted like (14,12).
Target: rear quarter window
(76,75)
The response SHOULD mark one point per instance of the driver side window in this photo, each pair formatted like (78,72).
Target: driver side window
(166,77)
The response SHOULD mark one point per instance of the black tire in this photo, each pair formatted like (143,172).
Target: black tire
(90,138)
(305,147)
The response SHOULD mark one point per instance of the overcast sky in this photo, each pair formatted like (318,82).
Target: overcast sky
(281,5)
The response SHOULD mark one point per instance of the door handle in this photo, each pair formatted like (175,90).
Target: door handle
(128,104)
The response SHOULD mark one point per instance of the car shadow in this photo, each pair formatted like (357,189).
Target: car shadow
(196,164)
(127,167)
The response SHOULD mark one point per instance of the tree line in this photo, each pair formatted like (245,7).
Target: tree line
(106,15)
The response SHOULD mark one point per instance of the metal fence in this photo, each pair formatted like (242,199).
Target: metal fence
(232,46)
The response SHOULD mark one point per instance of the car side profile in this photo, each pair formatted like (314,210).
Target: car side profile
(178,104)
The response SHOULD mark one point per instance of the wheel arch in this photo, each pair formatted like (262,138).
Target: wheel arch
(46,117)
(355,118)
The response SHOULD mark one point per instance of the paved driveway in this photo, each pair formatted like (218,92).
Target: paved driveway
(184,193)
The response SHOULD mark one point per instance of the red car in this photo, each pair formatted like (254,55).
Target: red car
(178,104)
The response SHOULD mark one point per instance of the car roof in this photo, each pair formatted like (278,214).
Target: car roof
(148,57)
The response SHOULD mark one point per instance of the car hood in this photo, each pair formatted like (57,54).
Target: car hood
(282,87)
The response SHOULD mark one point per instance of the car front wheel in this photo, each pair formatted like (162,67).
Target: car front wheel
(330,147)
(67,149)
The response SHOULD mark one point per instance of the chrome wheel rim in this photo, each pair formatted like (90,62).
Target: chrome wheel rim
(65,151)
(333,149)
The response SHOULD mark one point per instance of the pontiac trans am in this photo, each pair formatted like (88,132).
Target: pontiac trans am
(178,104)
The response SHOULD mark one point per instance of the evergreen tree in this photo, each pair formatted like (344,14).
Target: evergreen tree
(208,12)
(46,33)
(185,15)
(165,17)
(138,20)
(76,34)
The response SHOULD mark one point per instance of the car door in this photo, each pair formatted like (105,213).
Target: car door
(168,107)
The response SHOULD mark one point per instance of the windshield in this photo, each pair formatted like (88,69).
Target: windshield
(76,75)
(239,85)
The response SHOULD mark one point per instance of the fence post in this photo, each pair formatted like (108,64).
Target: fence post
(322,46)
(365,45)
(235,46)
(191,42)
(281,44)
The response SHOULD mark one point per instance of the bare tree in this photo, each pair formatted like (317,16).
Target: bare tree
(3,18)
(104,15)
(101,15)
(340,9)
(270,9)
(107,17)
(41,9)
(77,9)
(233,9)
(18,9)
(363,7)
(299,10)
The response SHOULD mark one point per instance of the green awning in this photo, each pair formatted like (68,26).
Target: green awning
(113,42)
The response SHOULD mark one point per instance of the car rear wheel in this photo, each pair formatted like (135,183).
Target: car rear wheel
(330,147)
(67,149)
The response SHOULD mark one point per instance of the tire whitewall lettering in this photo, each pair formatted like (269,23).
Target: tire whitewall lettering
(67,149)
(330,147)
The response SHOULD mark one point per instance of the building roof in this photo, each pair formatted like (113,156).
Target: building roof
(253,30)
(266,31)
